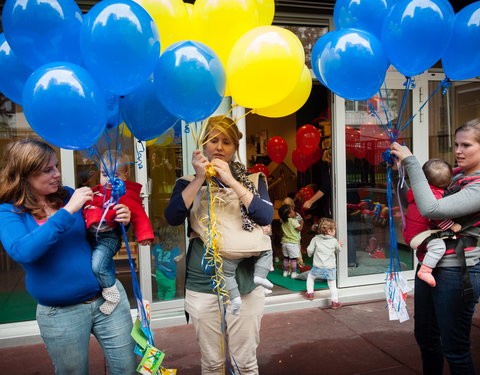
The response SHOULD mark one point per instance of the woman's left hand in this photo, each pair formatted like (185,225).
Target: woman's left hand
(123,214)
(223,171)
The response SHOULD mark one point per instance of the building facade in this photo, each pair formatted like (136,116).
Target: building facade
(350,167)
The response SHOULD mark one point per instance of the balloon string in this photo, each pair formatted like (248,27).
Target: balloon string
(387,117)
(213,260)
(408,84)
(445,84)
(137,292)
(401,182)
(139,154)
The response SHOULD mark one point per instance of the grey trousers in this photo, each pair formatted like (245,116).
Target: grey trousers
(262,266)
(435,250)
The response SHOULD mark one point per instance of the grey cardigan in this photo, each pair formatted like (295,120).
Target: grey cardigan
(455,206)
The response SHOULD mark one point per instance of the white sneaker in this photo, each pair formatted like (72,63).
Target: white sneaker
(285,273)
(293,275)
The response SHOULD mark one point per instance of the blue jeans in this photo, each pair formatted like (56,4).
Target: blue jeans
(66,332)
(104,247)
(443,320)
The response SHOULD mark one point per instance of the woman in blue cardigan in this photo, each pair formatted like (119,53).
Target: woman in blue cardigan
(42,228)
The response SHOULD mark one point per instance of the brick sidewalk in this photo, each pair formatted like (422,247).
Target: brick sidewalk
(356,339)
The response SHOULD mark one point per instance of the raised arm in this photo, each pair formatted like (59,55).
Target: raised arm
(465,202)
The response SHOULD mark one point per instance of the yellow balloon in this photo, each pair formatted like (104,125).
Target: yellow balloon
(189,8)
(266,11)
(164,140)
(171,18)
(125,130)
(219,23)
(294,101)
(264,66)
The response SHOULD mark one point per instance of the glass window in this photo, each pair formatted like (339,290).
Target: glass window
(165,165)
(366,138)
(446,112)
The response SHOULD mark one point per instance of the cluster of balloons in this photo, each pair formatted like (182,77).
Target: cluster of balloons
(412,35)
(148,63)
(308,151)
(368,142)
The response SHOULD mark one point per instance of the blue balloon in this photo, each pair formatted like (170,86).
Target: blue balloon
(462,57)
(315,56)
(367,15)
(120,45)
(43,31)
(65,106)
(351,63)
(416,34)
(190,80)
(114,116)
(13,74)
(144,114)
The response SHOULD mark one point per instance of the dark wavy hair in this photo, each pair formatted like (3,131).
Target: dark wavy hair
(284,211)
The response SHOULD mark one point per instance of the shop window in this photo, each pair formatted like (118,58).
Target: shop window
(366,138)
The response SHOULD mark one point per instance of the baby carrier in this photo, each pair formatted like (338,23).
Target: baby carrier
(459,242)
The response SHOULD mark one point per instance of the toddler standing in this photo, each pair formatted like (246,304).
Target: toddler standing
(103,232)
(324,247)
(291,229)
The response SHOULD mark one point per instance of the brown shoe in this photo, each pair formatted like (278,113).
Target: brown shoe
(336,305)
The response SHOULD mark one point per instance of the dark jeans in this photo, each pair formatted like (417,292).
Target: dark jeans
(443,321)
(104,247)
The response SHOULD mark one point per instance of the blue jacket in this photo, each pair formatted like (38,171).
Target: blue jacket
(56,256)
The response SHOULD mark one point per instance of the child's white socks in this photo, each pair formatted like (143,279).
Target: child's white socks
(236,303)
(262,282)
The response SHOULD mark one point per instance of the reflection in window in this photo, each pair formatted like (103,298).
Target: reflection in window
(367,212)
(165,165)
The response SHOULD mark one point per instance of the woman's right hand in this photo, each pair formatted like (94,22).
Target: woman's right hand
(199,163)
(401,152)
(78,199)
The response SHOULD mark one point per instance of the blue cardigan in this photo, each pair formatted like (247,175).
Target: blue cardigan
(56,256)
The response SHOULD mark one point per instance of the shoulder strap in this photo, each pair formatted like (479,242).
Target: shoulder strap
(471,220)
(460,184)
(254,177)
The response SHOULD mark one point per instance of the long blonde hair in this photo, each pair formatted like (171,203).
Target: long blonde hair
(24,158)
(226,126)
